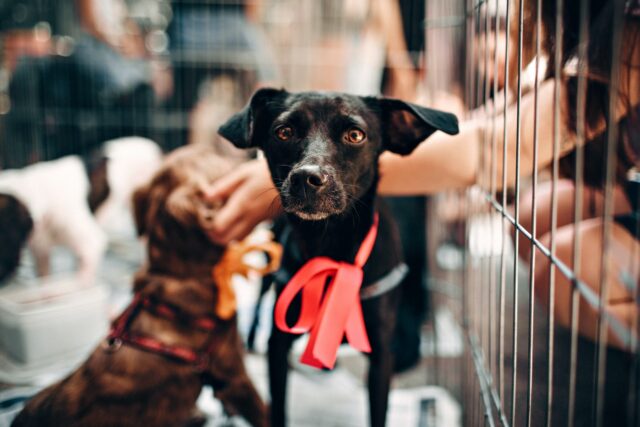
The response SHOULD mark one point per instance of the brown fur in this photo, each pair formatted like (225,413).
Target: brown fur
(130,387)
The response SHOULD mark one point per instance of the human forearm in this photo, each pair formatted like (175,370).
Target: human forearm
(442,163)
(542,126)
(452,162)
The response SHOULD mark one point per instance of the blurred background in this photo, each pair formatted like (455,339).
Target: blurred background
(474,346)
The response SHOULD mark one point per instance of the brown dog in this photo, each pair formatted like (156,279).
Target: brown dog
(124,383)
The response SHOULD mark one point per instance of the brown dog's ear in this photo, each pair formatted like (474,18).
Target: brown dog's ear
(406,125)
(240,129)
(140,208)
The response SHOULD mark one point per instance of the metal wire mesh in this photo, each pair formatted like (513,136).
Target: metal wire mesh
(544,342)
(161,68)
(531,360)
(75,74)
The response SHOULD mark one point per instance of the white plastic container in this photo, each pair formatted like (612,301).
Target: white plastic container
(55,320)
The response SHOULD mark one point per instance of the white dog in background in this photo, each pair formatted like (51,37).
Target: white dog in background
(63,202)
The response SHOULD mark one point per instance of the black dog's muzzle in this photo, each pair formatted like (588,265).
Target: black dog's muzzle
(312,192)
(310,178)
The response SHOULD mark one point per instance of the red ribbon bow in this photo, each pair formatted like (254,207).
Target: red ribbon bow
(330,317)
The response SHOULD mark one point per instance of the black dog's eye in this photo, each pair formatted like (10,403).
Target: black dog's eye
(284,133)
(355,136)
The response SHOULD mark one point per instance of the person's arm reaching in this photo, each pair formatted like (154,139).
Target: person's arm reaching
(442,163)
(452,162)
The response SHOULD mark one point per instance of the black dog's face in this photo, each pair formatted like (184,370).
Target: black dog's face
(323,148)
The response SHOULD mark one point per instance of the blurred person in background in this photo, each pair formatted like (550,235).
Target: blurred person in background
(429,170)
(402,23)
(219,57)
(77,70)
(588,228)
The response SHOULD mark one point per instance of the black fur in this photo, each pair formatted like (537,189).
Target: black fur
(16,225)
(327,185)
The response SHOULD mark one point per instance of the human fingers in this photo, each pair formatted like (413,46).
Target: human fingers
(238,218)
(224,186)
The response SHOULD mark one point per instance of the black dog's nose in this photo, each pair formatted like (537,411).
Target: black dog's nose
(310,176)
(317,179)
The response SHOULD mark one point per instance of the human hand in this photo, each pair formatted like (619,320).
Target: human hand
(248,196)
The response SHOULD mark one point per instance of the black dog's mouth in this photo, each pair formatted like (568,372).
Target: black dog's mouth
(313,205)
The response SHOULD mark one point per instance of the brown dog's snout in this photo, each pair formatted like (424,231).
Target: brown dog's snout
(311,177)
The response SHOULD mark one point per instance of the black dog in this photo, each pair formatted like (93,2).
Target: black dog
(323,152)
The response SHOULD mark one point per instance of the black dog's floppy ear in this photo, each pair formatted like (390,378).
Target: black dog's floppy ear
(240,128)
(406,125)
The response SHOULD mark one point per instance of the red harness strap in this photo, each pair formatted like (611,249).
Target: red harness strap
(120,334)
(231,263)
(328,314)
(168,312)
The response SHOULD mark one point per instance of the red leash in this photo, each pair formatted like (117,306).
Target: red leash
(329,315)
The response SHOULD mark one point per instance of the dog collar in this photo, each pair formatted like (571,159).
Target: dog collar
(328,314)
(386,283)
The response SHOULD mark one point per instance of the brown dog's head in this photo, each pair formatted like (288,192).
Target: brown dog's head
(172,212)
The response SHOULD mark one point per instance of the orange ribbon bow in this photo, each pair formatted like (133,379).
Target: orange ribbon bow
(232,262)
(332,314)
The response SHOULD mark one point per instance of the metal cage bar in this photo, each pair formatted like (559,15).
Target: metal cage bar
(523,361)
(516,357)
